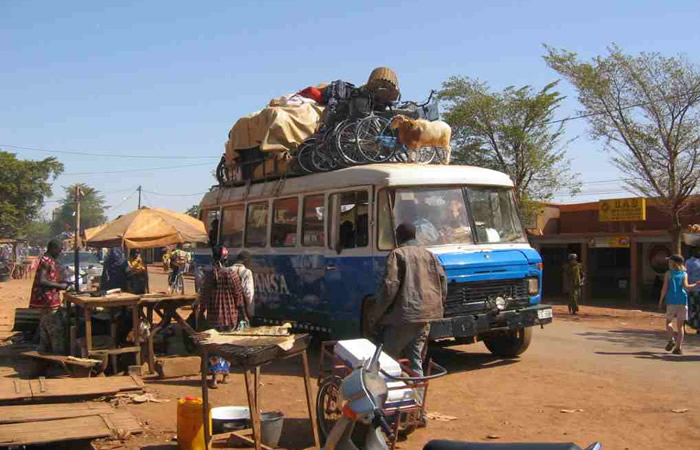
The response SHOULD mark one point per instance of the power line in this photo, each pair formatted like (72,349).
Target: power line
(138,170)
(598,113)
(115,208)
(176,195)
(104,155)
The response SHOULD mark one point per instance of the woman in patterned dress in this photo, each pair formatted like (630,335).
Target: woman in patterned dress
(221,296)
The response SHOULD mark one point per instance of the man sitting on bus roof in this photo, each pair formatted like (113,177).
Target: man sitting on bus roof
(412,293)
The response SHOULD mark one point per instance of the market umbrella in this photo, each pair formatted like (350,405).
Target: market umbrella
(149,228)
(90,232)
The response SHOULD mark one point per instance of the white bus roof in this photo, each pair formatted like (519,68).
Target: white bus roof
(372,174)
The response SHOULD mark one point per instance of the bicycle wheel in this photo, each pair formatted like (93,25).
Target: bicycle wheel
(321,159)
(304,152)
(376,140)
(426,155)
(346,143)
(328,405)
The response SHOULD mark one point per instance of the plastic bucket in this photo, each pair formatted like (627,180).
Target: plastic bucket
(271,424)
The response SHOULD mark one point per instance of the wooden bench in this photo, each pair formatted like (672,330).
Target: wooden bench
(75,367)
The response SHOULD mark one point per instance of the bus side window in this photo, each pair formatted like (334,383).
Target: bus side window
(256,225)
(312,226)
(232,226)
(284,222)
(385,240)
(352,219)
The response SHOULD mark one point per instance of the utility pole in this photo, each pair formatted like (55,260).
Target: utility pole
(139,189)
(76,239)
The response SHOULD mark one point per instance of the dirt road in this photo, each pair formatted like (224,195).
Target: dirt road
(607,365)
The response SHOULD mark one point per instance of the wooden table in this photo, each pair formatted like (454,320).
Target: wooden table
(88,303)
(251,358)
(165,306)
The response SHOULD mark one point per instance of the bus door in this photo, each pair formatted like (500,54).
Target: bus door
(348,277)
(313,242)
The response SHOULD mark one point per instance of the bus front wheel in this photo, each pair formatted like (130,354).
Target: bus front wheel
(510,344)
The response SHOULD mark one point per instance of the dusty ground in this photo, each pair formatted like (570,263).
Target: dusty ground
(606,363)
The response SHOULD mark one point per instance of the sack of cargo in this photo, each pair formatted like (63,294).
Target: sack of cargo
(359,106)
(337,91)
(271,167)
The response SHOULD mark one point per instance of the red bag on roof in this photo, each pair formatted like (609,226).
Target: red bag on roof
(311,92)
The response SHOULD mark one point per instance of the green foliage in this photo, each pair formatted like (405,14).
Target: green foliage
(193,211)
(38,232)
(645,109)
(92,210)
(508,131)
(23,187)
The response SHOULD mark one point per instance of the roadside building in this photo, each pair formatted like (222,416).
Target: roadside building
(623,245)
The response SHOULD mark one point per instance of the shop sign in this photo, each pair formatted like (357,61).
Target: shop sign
(609,242)
(622,210)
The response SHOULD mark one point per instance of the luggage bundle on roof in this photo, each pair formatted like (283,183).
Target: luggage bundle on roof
(322,128)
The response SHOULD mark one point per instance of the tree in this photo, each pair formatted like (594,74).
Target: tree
(23,187)
(645,109)
(193,211)
(38,232)
(92,210)
(510,131)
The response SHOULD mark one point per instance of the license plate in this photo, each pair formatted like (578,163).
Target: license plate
(544,313)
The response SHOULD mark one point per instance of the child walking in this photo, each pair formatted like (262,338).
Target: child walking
(675,294)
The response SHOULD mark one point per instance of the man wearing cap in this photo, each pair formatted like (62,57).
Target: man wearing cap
(574,279)
(675,293)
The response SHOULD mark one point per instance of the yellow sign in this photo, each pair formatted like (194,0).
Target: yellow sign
(622,210)
(610,242)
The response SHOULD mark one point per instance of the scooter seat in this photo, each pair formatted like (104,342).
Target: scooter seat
(440,444)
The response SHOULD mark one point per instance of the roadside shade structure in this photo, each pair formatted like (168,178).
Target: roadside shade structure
(149,228)
(90,232)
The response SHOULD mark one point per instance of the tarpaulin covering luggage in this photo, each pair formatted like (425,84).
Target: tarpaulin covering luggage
(275,128)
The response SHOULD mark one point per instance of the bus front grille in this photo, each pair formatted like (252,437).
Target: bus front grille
(479,296)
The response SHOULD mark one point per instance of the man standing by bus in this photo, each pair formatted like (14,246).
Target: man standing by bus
(412,293)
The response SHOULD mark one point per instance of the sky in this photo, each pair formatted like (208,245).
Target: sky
(153,87)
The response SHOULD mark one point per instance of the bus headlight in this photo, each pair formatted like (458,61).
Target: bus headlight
(533,286)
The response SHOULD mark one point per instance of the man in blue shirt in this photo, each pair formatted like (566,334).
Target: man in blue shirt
(693,268)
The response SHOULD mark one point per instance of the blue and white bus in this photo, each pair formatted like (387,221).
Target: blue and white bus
(319,244)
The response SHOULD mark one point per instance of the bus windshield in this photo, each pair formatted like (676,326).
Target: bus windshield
(441,216)
(495,215)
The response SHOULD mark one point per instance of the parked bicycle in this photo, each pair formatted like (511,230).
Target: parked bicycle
(176,280)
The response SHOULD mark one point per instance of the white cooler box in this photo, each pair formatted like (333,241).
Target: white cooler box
(355,352)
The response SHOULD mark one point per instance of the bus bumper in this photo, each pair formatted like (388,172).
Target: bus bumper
(480,324)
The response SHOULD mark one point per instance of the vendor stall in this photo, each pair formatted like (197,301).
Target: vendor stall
(142,307)
(88,304)
(250,350)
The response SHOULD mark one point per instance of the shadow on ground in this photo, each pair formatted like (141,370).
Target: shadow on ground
(660,356)
(456,360)
(639,338)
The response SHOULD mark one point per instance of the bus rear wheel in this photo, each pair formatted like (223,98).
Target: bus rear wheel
(510,344)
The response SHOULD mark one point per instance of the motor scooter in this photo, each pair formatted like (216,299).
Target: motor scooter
(363,394)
